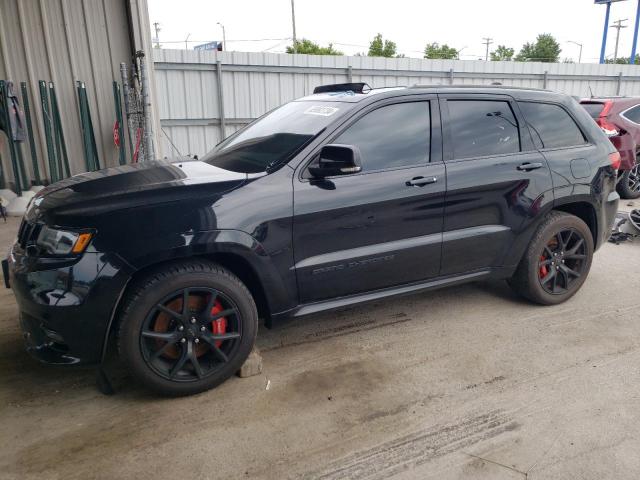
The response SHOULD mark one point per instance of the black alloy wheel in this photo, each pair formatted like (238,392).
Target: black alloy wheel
(562,261)
(557,261)
(633,179)
(190,333)
(629,183)
(187,327)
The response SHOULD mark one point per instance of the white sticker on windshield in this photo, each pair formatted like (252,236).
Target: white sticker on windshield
(321,110)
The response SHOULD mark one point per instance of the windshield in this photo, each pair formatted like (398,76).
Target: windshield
(274,138)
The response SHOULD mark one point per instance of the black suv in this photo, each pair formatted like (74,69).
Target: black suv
(338,198)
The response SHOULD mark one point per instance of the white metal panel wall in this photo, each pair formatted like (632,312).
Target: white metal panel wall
(254,83)
(64,41)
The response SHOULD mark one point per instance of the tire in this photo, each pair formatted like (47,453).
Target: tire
(629,185)
(176,351)
(534,277)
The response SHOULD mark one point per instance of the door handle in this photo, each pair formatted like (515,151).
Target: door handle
(420,181)
(527,167)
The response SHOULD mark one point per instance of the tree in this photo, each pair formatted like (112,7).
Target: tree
(623,60)
(380,48)
(545,49)
(442,52)
(502,54)
(312,48)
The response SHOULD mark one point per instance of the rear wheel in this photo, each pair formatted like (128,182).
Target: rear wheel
(188,328)
(629,184)
(557,261)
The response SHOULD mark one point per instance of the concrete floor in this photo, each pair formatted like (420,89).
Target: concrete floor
(469,382)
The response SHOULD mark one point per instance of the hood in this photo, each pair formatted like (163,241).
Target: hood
(128,186)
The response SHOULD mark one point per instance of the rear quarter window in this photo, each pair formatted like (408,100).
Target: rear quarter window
(551,126)
(632,114)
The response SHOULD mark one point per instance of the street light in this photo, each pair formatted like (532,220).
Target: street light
(224,37)
(580,45)
(460,51)
(186,42)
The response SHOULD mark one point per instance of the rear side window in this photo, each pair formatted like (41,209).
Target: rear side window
(633,114)
(551,126)
(593,109)
(391,136)
(482,128)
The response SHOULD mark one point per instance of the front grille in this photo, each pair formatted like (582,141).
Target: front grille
(28,233)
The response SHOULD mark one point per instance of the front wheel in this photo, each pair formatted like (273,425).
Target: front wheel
(557,261)
(187,328)
(629,184)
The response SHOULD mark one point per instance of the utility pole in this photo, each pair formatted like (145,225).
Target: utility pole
(224,38)
(156,26)
(618,25)
(580,45)
(487,42)
(293,22)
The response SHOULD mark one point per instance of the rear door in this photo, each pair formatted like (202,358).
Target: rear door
(380,227)
(557,135)
(496,180)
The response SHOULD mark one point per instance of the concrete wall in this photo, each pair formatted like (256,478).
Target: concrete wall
(189,96)
(64,41)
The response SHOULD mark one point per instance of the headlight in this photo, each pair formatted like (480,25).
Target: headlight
(62,242)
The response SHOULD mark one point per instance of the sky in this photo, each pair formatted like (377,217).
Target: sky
(350,25)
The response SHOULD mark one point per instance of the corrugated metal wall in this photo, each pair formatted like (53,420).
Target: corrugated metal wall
(64,41)
(253,83)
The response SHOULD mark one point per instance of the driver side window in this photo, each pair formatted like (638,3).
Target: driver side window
(392,136)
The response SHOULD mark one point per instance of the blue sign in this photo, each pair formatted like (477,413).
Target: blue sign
(209,46)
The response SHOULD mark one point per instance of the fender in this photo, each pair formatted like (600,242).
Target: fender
(273,269)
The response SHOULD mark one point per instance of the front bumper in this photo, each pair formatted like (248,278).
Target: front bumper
(65,306)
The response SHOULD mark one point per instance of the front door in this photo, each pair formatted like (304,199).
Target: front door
(380,227)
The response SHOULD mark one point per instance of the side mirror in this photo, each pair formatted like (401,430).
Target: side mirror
(337,159)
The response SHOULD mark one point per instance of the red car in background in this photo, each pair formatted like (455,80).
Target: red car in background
(619,118)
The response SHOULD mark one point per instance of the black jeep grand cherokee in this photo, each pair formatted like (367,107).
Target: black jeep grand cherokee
(337,198)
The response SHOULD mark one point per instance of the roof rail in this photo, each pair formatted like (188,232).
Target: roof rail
(343,87)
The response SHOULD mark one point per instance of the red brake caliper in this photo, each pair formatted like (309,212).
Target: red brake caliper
(543,268)
(218,326)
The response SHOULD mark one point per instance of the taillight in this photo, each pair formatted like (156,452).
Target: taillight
(615,160)
(609,129)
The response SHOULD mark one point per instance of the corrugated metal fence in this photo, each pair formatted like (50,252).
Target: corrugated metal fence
(205,96)
(63,41)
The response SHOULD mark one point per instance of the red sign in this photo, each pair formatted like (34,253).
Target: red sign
(116,134)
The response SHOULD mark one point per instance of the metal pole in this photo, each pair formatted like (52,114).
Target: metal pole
(117,100)
(619,88)
(224,38)
(223,123)
(46,118)
(604,33)
(127,106)
(149,152)
(293,23)
(57,124)
(32,144)
(579,45)
(632,58)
